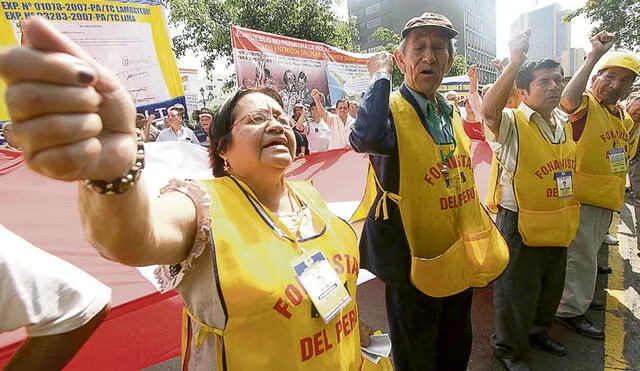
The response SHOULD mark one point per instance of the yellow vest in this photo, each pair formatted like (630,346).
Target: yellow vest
(454,244)
(543,218)
(269,315)
(594,183)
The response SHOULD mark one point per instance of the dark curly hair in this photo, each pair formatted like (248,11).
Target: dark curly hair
(527,71)
(220,131)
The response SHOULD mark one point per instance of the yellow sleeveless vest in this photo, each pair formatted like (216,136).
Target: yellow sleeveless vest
(269,315)
(543,218)
(594,183)
(454,244)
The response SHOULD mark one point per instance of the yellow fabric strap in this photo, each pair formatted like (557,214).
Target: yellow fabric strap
(204,330)
(503,167)
(382,202)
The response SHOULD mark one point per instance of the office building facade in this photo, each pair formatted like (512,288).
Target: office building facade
(475,20)
(550,37)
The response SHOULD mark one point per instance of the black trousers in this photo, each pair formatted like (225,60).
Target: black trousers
(526,296)
(427,333)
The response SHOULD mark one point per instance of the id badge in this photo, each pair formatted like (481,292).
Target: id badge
(565,184)
(322,284)
(617,160)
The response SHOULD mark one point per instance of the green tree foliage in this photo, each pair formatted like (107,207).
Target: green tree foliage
(204,24)
(619,16)
(459,66)
(391,42)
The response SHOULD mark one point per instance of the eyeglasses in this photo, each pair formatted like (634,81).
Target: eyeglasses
(263,117)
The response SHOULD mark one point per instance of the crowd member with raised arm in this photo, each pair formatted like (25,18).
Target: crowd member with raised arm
(602,132)
(145,124)
(315,129)
(472,119)
(426,211)
(339,124)
(534,202)
(247,250)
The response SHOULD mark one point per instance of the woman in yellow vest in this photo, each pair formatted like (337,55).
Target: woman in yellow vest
(532,195)
(267,273)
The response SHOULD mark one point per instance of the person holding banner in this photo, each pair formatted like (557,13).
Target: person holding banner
(425,226)
(534,202)
(246,250)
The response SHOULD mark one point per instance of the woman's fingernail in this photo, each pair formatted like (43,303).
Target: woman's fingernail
(85,76)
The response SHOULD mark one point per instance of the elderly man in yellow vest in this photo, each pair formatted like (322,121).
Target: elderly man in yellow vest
(531,192)
(426,234)
(602,132)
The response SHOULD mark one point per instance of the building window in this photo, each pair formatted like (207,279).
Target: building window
(372,9)
(359,13)
(374,23)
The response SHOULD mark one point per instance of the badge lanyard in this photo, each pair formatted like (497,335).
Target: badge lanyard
(564,183)
(281,230)
(312,269)
(443,122)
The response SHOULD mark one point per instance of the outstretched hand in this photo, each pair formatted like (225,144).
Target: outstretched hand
(73,117)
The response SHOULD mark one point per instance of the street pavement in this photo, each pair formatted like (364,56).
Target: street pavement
(619,351)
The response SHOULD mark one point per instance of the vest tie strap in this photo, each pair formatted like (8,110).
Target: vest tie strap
(204,331)
(381,205)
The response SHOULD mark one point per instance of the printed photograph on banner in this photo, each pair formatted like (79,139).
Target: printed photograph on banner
(293,77)
(295,67)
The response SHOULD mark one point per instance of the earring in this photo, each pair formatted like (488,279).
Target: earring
(226,166)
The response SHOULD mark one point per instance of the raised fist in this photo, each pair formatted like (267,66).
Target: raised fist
(72,117)
(602,42)
(382,61)
(473,72)
(519,46)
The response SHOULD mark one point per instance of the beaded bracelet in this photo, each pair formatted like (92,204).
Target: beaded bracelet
(124,183)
